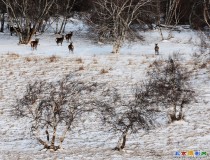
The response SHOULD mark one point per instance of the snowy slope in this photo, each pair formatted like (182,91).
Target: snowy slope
(90,139)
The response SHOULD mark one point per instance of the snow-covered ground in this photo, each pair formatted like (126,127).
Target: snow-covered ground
(90,140)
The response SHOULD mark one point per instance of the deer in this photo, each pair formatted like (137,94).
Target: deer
(71,47)
(34,44)
(156,49)
(60,40)
(68,36)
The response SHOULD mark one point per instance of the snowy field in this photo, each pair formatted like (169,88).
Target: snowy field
(20,65)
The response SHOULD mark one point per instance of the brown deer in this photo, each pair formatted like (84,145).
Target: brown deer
(156,49)
(68,36)
(34,44)
(71,47)
(60,40)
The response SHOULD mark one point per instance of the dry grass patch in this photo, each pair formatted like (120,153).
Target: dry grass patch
(1,111)
(79,60)
(95,61)
(156,63)
(13,55)
(28,59)
(10,73)
(103,71)
(53,58)
(204,65)
(130,62)
(31,59)
(143,62)
(81,68)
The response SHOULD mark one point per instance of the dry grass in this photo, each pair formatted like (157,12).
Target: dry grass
(1,111)
(156,63)
(81,68)
(191,62)
(95,61)
(31,59)
(53,58)
(28,59)
(204,65)
(79,60)
(130,62)
(143,62)
(13,55)
(208,61)
(103,71)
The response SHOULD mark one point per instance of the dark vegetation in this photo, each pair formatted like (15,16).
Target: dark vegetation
(35,14)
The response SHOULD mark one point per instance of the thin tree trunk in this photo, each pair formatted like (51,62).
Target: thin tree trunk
(158,18)
(64,27)
(63,137)
(52,146)
(39,28)
(118,44)
(2,22)
(116,47)
(122,141)
(161,33)
(56,29)
(26,36)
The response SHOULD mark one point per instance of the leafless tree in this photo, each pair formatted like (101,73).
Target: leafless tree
(54,108)
(172,12)
(112,19)
(2,15)
(128,115)
(170,86)
(63,11)
(27,15)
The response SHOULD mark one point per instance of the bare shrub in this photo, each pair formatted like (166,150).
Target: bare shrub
(126,115)
(112,20)
(170,86)
(53,108)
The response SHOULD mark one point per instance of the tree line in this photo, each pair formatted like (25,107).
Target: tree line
(114,20)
